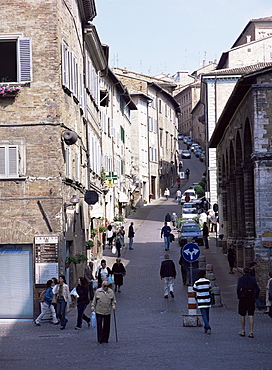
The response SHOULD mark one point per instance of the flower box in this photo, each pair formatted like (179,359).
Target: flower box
(9,91)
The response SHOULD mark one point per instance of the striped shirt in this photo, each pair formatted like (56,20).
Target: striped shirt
(202,287)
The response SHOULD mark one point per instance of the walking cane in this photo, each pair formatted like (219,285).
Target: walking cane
(115,326)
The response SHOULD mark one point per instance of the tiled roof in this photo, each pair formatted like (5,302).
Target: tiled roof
(239,70)
(265,19)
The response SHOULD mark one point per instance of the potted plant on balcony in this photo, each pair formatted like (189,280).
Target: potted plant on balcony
(77,258)
(94,232)
(89,243)
(102,229)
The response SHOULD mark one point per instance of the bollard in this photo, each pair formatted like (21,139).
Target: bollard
(211,277)
(193,318)
(217,297)
(202,262)
(209,267)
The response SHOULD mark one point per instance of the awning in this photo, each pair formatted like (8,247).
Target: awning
(123,198)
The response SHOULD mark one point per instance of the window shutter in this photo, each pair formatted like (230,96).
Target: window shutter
(64,64)
(13,160)
(2,161)
(24,60)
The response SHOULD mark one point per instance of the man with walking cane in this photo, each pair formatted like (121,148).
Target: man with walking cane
(104,300)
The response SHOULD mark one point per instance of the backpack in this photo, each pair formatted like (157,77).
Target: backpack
(247,290)
(41,296)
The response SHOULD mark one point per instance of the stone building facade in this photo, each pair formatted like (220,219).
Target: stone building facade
(51,52)
(242,139)
(161,138)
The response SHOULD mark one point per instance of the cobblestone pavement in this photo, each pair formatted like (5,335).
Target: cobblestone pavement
(150,332)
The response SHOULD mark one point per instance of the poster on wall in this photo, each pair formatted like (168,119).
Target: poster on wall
(45,271)
(46,258)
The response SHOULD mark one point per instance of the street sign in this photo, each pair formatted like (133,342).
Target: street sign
(191,252)
(266,239)
(91,197)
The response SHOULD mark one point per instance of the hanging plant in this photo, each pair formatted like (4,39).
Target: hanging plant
(89,243)
(77,258)
(94,232)
(102,229)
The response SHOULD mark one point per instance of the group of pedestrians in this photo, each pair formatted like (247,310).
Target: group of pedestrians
(117,237)
(103,299)
(59,293)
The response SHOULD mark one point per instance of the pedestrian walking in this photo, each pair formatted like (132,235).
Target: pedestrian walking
(178,196)
(118,244)
(231,258)
(102,273)
(247,292)
(166,193)
(268,293)
(122,232)
(165,233)
(252,272)
(88,275)
(205,233)
(104,301)
(110,235)
(82,290)
(174,220)
(63,297)
(131,234)
(54,299)
(168,274)
(202,287)
(46,304)
(168,218)
(119,271)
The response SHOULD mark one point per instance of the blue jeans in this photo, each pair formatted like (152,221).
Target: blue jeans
(130,243)
(61,309)
(205,316)
(166,242)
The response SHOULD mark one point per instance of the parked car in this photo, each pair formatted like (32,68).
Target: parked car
(198,152)
(189,214)
(185,138)
(190,232)
(202,157)
(186,154)
(191,193)
(193,146)
(189,205)
(180,137)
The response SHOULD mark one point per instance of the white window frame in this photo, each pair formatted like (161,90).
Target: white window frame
(24,57)
(9,161)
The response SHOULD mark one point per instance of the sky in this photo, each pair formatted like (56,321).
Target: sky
(166,36)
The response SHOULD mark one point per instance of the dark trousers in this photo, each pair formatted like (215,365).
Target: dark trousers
(206,241)
(61,308)
(103,328)
(91,292)
(81,315)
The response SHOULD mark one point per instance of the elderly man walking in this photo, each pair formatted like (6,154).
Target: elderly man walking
(104,301)
(168,273)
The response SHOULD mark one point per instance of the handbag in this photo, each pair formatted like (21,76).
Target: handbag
(54,299)
(110,279)
(114,250)
(74,293)
(93,320)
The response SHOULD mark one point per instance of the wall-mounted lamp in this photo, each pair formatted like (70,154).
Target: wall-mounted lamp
(73,202)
